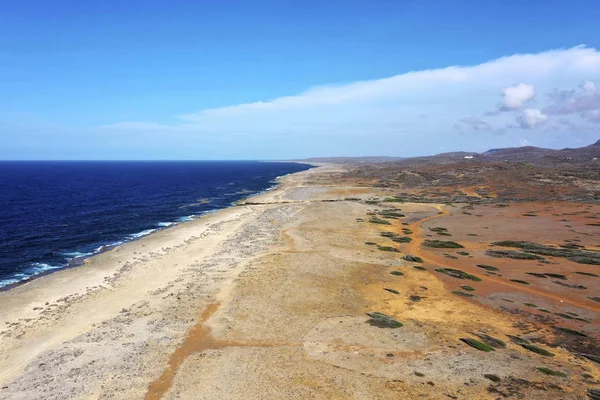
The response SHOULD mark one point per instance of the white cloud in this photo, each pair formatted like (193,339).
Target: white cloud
(514,97)
(349,116)
(584,101)
(531,118)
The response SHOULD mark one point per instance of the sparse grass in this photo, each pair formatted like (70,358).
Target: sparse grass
(391,290)
(412,258)
(522,282)
(381,320)
(488,267)
(492,377)
(456,273)
(464,294)
(552,372)
(477,344)
(570,331)
(467,288)
(441,244)
(397,273)
(388,248)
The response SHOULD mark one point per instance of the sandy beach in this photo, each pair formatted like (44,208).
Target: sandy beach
(266,300)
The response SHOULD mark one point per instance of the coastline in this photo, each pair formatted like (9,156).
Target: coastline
(26,303)
(78,261)
(270,299)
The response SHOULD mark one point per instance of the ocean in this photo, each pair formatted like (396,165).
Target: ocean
(55,213)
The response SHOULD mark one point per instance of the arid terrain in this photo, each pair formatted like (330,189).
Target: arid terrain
(371,281)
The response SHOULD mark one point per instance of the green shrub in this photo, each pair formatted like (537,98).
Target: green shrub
(552,372)
(477,344)
(492,377)
(456,273)
(397,273)
(412,258)
(459,293)
(381,320)
(391,290)
(467,288)
(488,267)
(441,244)
(520,281)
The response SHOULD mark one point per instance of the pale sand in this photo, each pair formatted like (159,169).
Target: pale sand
(255,302)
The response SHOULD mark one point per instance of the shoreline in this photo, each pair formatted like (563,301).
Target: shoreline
(79,261)
(275,298)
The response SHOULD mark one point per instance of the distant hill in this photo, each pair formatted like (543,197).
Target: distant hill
(526,154)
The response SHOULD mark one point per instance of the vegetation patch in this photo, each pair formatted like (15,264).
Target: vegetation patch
(464,294)
(477,344)
(415,298)
(595,299)
(407,231)
(513,254)
(490,340)
(557,276)
(531,305)
(570,331)
(467,288)
(575,318)
(462,253)
(573,254)
(370,243)
(402,239)
(488,267)
(592,357)
(536,274)
(419,268)
(552,372)
(441,244)
(522,282)
(569,285)
(379,221)
(419,374)
(456,273)
(587,274)
(388,248)
(391,290)
(492,377)
(381,320)
(412,258)
(393,200)
(397,273)
(536,349)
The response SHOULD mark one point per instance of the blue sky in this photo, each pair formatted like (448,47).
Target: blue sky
(290,79)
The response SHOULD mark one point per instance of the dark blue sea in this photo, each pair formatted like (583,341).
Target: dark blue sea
(53,214)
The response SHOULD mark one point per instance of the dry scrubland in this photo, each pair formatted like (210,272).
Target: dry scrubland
(343,283)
